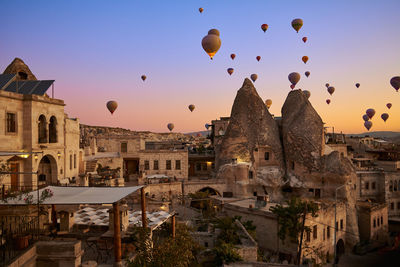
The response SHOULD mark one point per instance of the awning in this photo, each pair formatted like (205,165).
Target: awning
(157,176)
(75,195)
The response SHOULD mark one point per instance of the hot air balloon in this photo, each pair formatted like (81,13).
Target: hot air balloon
(170,126)
(389,105)
(368,125)
(294,78)
(385,116)
(144,77)
(357,85)
(233,56)
(307,73)
(112,106)
(328,101)
(201,10)
(253,77)
(207,126)
(395,82)
(365,117)
(268,103)
(230,71)
(304,39)
(297,24)
(292,86)
(211,42)
(307,93)
(370,112)
(331,89)
(264,27)
(191,107)
(258,58)
(305,59)
(327,85)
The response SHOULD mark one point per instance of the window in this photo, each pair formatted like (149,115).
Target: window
(198,166)
(11,126)
(74,161)
(315,232)
(250,174)
(391,186)
(53,130)
(155,166)
(42,131)
(378,221)
(382,220)
(373,185)
(70,162)
(374,223)
(392,206)
(213,165)
(366,185)
(147,165)
(323,234)
(328,232)
(177,164)
(395,186)
(308,236)
(266,155)
(317,193)
(341,224)
(398,205)
(292,165)
(124,147)
(204,166)
(168,165)
(206,244)
(337,226)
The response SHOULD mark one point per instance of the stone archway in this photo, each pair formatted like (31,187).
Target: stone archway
(47,170)
(339,249)
(211,191)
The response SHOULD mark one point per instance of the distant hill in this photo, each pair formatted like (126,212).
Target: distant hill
(379,134)
(203,133)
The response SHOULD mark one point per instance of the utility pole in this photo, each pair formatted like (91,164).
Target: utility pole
(301,235)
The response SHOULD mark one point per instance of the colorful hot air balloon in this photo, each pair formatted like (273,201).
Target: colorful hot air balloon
(258,58)
(207,126)
(201,10)
(304,39)
(365,117)
(191,107)
(253,77)
(357,85)
(327,85)
(328,101)
(112,106)
(395,82)
(331,89)
(384,116)
(370,112)
(305,59)
(233,56)
(170,126)
(211,42)
(368,125)
(307,93)
(294,78)
(268,103)
(230,71)
(307,73)
(292,86)
(143,77)
(389,105)
(297,24)
(264,27)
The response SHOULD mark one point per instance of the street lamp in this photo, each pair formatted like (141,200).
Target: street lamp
(336,225)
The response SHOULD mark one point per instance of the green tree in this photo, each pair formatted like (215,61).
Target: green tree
(291,219)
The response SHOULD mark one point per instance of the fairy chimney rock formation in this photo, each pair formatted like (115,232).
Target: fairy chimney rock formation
(19,67)
(302,133)
(251,126)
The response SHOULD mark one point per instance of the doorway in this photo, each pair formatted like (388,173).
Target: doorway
(14,167)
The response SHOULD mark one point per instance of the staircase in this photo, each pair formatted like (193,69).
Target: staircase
(90,166)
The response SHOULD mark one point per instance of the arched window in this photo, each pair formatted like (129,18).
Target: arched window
(42,131)
(53,130)
(395,186)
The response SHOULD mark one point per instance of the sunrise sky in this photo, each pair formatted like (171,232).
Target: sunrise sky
(97,50)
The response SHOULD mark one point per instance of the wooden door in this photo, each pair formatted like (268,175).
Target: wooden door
(14,167)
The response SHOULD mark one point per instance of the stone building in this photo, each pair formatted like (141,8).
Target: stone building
(373,222)
(34,122)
